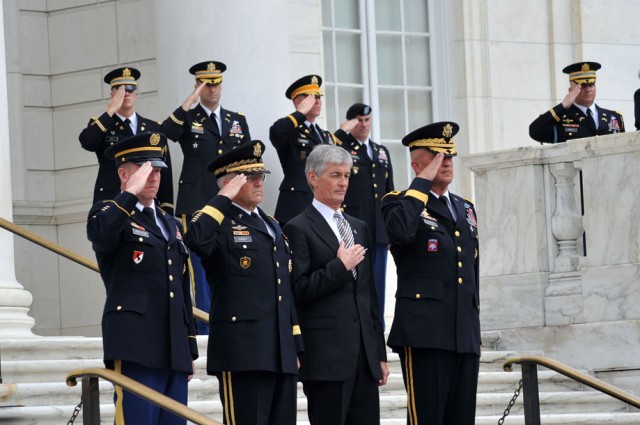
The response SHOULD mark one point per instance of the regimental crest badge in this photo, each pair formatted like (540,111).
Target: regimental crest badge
(257,150)
(447,131)
(137,257)
(245,262)
(154,139)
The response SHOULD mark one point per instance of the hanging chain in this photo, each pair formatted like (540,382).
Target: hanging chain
(75,413)
(511,403)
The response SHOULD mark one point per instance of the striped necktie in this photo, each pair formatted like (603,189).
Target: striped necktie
(346,234)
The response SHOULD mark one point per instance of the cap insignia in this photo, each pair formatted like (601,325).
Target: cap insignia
(154,139)
(257,150)
(447,131)
(585,67)
(211,66)
(126,73)
(314,80)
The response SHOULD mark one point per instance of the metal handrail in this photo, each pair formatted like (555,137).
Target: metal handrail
(529,364)
(67,253)
(91,403)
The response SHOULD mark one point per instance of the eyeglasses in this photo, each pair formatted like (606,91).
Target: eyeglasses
(255,177)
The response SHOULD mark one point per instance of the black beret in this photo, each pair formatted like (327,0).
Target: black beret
(245,158)
(358,109)
(436,138)
(139,149)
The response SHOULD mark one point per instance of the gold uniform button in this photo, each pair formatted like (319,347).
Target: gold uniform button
(170,278)
(373,175)
(279,281)
(459,249)
(140,239)
(101,189)
(292,189)
(418,296)
(244,246)
(375,185)
(279,297)
(275,249)
(459,280)
(233,319)
(219,151)
(170,262)
(373,166)
(457,233)
(171,295)
(433,228)
(460,264)
(119,308)
(278,265)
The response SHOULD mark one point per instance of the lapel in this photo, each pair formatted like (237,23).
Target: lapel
(146,222)
(435,205)
(169,224)
(361,150)
(203,118)
(142,124)
(313,135)
(226,123)
(458,204)
(358,238)
(321,228)
(124,128)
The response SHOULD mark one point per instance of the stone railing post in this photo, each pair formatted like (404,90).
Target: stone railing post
(566,222)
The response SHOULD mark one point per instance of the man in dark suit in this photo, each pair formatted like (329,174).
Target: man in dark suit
(436,325)
(147,326)
(345,357)
(254,336)
(294,136)
(577,116)
(204,133)
(119,122)
(371,178)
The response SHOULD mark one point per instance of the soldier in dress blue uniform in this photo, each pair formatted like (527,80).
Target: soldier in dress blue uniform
(119,122)
(147,325)
(577,115)
(436,325)
(294,136)
(254,336)
(204,133)
(371,178)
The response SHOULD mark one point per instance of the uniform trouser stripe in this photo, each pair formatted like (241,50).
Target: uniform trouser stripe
(230,416)
(119,416)
(192,277)
(411,398)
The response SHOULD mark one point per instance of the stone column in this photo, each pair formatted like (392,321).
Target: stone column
(14,299)
(566,222)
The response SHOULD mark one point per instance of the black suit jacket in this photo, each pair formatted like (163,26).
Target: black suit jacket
(559,125)
(336,312)
(636,105)
(104,131)
(294,141)
(437,300)
(370,180)
(147,316)
(253,324)
(200,144)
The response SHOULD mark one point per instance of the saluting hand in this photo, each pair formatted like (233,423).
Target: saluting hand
(574,91)
(352,256)
(138,180)
(192,98)
(430,171)
(306,104)
(348,125)
(115,103)
(233,186)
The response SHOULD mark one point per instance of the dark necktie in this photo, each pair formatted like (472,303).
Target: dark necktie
(346,234)
(591,122)
(127,122)
(216,129)
(445,201)
(152,219)
(365,151)
(260,224)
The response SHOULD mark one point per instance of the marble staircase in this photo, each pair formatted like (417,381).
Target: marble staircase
(34,391)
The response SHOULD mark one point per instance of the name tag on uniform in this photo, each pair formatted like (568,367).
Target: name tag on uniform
(139,232)
(239,239)
(198,129)
(303,142)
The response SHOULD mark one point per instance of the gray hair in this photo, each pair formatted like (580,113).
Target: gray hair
(322,155)
(224,178)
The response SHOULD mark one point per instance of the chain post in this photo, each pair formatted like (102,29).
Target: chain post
(512,402)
